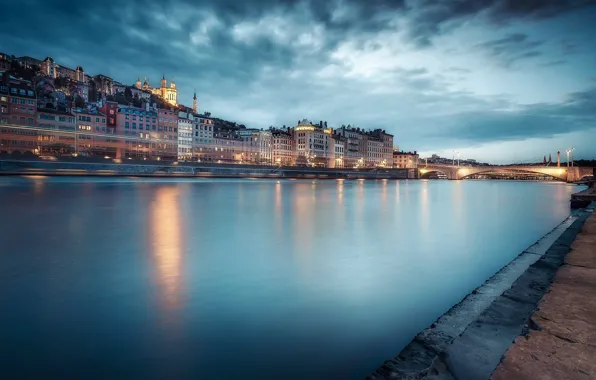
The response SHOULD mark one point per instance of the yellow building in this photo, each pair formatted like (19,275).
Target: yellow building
(169,94)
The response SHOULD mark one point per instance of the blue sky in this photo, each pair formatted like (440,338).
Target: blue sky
(497,80)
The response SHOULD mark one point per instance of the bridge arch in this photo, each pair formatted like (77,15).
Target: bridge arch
(559,174)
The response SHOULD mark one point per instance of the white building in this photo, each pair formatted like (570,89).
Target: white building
(339,148)
(313,144)
(282,147)
(257,146)
(184,139)
(203,144)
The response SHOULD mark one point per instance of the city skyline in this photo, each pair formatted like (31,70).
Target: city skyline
(496,82)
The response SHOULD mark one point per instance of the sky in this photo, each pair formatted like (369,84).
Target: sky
(497,80)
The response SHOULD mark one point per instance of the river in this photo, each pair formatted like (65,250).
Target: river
(218,279)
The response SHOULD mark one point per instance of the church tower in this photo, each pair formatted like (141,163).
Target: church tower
(138,83)
(163,81)
(194,102)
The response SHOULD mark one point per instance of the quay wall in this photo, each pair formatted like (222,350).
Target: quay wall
(469,340)
(169,169)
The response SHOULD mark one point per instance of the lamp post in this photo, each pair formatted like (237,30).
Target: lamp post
(568,151)
(453,159)
(457,159)
(572,164)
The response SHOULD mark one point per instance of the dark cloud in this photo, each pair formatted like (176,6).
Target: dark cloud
(537,120)
(512,48)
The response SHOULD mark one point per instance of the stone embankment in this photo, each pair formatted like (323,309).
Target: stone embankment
(561,340)
(469,341)
(191,170)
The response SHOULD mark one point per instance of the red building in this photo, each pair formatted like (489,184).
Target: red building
(110,109)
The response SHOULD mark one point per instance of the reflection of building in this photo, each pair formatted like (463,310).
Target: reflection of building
(282,146)
(313,147)
(168,94)
(407,160)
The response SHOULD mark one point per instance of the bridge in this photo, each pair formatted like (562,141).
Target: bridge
(563,173)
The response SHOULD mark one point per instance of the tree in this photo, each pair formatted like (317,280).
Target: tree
(128,93)
(79,102)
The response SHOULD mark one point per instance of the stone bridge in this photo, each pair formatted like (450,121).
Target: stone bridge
(562,173)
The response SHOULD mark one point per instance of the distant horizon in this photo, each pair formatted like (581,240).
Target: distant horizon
(497,82)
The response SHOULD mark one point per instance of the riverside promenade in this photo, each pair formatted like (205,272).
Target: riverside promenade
(543,301)
(561,342)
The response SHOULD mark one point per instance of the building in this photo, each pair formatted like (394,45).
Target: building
(167,127)
(405,160)
(228,146)
(48,67)
(374,153)
(355,146)
(203,145)
(5,62)
(282,146)
(4,103)
(140,125)
(110,109)
(384,152)
(167,93)
(312,142)
(19,105)
(185,138)
(257,146)
(339,148)
(91,134)
(55,132)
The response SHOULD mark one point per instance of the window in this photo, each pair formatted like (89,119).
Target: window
(134,117)
(61,118)
(111,112)
(147,127)
(31,102)
(111,120)
(134,125)
(140,118)
(30,121)
(97,128)
(13,90)
(103,119)
(126,125)
(126,117)
(22,92)
(154,127)
(97,120)
(14,100)
(30,93)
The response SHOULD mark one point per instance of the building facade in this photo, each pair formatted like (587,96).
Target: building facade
(282,147)
(185,138)
(407,160)
(21,102)
(312,142)
(339,149)
(168,93)
(203,145)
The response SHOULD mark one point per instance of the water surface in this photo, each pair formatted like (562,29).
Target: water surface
(217,279)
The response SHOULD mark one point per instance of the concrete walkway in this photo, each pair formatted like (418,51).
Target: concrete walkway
(561,343)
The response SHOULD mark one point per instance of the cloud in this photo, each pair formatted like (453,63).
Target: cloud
(512,48)
(405,66)
(542,120)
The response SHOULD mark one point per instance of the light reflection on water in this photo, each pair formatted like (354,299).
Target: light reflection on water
(109,278)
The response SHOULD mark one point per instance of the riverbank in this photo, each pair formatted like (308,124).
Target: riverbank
(190,170)
(469,340)
(583,198)
(560,343)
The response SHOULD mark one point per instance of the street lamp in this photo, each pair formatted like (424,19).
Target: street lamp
(457,159)
(572,149)
(568,151)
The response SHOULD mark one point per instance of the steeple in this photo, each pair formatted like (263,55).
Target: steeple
(194,102)
(163,81)
(138,84)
